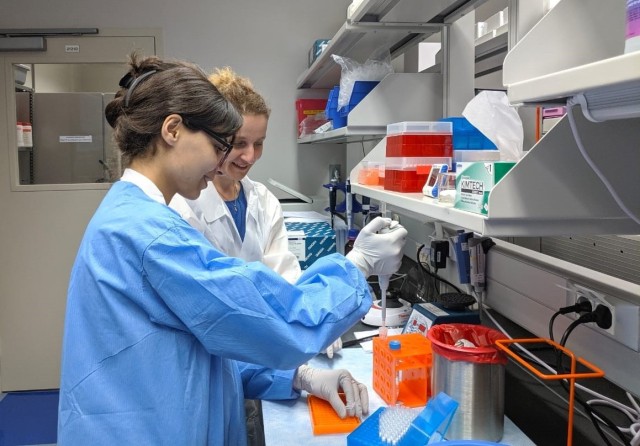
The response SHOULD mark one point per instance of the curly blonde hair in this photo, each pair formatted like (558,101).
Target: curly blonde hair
(240,92)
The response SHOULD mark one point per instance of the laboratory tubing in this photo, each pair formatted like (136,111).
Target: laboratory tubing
(632,37)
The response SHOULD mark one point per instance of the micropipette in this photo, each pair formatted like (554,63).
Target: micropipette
(383,282)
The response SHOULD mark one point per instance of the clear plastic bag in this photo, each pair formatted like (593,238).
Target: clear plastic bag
(377,66)
(491,113)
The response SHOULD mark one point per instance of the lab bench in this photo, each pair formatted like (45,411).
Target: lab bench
(288,422)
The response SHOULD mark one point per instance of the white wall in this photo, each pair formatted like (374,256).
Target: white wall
(264,40)
(267,41)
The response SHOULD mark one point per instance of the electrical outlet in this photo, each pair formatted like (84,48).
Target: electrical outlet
(334,171)
(625,316)
(596,298)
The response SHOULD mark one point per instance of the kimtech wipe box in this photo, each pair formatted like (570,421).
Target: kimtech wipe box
(474,181)
(310,240)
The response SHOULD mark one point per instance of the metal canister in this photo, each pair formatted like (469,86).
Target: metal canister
(470,369)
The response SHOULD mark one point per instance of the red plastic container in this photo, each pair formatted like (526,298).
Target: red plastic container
(404,180)
(309,107)
(409,174)
(420,145)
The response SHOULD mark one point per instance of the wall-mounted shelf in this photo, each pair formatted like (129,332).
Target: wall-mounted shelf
(398,97)
(19,87)
(619,71)
(358,41)
(586,62)
(393,24)
(491,46)
(346,135)
(421,207)
(551,191)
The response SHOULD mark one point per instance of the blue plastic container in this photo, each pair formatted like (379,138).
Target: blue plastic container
(360,90)
(468,137)
(431,423)
(331,112)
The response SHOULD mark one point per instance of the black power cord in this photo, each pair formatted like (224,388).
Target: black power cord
(602,317)
(581,307)
(435,276)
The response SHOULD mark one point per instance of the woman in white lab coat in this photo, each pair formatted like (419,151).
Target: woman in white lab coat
(241,217)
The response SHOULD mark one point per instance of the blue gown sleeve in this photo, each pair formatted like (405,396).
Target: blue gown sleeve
(267,384)
(245,311)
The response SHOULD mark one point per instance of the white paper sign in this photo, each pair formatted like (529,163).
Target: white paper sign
(297,244)
(76,138)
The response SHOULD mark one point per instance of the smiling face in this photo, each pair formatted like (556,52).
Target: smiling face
(247,147)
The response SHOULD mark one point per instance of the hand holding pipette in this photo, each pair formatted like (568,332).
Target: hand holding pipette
(376,252)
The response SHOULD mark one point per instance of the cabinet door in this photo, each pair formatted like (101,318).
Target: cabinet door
(70,147)
(41,224)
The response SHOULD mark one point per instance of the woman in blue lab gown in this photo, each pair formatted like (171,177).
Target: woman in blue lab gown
(159,324)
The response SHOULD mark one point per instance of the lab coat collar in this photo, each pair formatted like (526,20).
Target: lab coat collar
(215,208)
(148,187)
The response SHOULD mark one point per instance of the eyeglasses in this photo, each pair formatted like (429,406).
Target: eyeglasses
(217,137)
(227,145)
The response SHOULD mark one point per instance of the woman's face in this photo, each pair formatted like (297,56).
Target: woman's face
(195,161)
(247,147)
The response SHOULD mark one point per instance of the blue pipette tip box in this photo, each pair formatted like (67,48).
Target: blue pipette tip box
(431,424)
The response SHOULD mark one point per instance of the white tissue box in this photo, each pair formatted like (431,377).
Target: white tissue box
(474,182)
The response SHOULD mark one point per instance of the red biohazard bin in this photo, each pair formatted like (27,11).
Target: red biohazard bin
(469,368)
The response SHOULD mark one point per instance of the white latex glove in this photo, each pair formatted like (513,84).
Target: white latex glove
(378,248)
(326,384)
(335,347)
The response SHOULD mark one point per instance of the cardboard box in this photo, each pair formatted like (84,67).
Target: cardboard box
(316,49)
(474,182)
(310,241)
(425,315)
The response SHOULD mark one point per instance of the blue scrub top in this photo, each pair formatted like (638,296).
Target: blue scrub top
(165,336)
